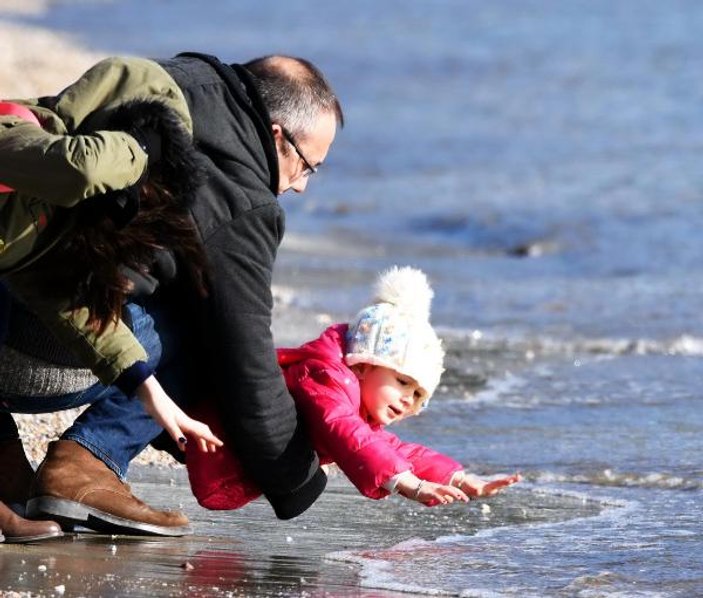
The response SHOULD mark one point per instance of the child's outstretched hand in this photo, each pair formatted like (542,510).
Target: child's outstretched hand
(474,486)
(172,418)
(430,492)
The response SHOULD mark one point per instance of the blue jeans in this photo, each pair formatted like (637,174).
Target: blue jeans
(115,428)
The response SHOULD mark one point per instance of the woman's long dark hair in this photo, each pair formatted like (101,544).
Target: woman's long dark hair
(125,230)
(88,267)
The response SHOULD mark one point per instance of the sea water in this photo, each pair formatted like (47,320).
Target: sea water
(541,160)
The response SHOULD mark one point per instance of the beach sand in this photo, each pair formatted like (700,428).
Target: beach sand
(35,62)
(242,553)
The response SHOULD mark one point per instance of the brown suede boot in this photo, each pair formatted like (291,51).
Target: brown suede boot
(76,488)
(17,529)
(16,475)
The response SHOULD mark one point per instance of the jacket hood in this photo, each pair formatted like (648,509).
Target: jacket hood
(245,99)
(329,346)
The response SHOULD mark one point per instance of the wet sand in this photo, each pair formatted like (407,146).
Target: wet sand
(250,553)
(243,553)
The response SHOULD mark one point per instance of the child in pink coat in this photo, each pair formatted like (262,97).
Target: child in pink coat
(349,384)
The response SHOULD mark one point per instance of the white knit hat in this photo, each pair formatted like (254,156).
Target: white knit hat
(395,331)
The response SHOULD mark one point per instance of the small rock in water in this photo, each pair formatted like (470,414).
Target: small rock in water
(533,248)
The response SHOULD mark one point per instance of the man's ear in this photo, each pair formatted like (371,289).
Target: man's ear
(277,131)
(280,141)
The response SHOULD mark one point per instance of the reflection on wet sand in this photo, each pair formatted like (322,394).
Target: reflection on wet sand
(250,553)
(111,566)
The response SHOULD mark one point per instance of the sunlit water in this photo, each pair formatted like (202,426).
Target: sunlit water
(541,160)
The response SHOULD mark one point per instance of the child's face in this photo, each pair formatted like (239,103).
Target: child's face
(386,395)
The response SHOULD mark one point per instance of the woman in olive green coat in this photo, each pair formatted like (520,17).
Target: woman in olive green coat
(76,184)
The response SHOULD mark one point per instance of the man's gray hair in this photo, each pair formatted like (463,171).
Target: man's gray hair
(294,92)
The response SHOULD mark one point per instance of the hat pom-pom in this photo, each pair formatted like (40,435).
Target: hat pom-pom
(406,288)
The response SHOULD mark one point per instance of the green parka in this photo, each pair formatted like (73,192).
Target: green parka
(72,157)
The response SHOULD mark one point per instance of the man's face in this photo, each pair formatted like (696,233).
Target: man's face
(296,155)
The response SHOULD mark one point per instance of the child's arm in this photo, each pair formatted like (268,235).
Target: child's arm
(410,486)
(462,486)
(434,467)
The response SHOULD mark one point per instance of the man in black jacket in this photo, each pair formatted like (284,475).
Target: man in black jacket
(261,129)
(241,230)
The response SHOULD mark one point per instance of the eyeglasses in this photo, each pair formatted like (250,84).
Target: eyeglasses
(309,168)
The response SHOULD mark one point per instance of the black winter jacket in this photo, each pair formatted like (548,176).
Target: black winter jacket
(241,225)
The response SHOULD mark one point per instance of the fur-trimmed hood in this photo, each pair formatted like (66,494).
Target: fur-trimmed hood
(178,165)
(121,232)
(174,164)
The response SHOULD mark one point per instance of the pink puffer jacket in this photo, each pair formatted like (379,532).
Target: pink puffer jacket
(326,393)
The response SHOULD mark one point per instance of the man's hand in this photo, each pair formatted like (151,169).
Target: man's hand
(172,418)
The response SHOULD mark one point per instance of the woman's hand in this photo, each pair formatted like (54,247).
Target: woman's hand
(475,487)
(172,418)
